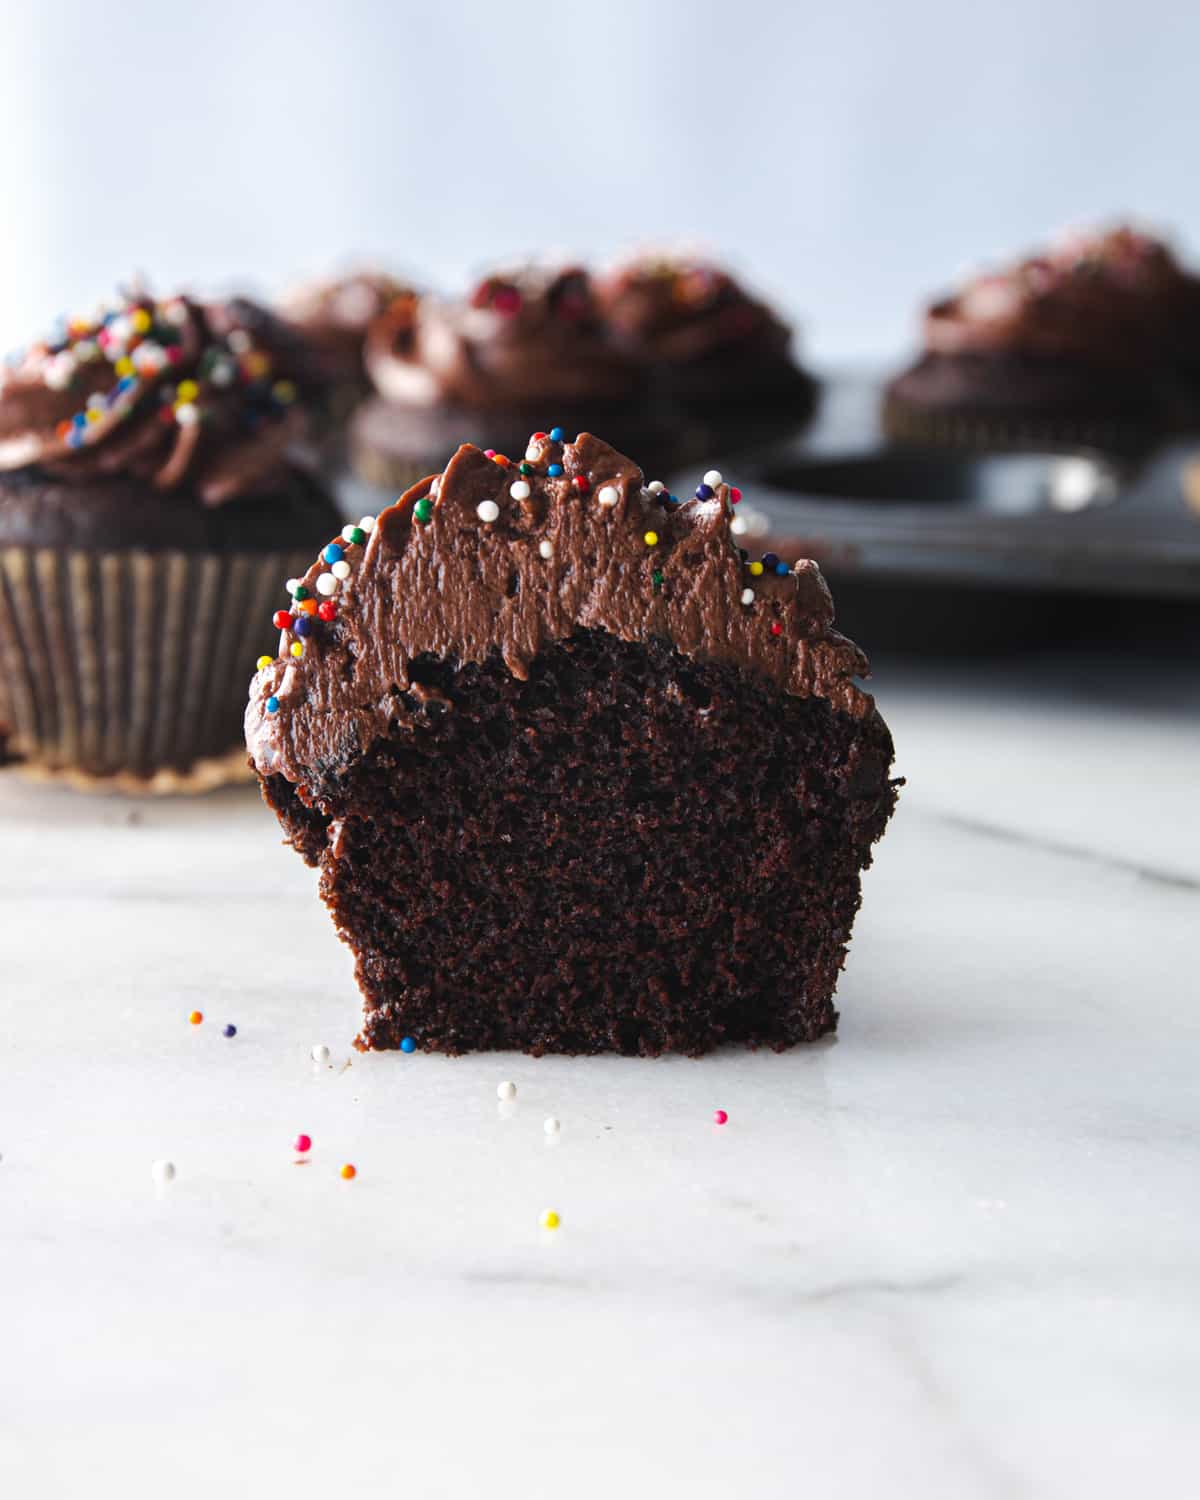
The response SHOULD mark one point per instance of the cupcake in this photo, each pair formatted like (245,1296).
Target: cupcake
(578,775)
(152,499)
(721,355)
(485,368)
(1089,342)
(331,319)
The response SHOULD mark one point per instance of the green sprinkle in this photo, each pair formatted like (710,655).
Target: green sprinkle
(356,534)
(525,468)
(657,579)
(301,592)
(423,510)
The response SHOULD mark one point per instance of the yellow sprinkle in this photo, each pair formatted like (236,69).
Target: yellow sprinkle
(297,648)
(141,321)
(284,391)
(264,661)
(550,1219)
(186,390)
(124,366)
(94,415)
(756,569)
(651,539)
(256,365)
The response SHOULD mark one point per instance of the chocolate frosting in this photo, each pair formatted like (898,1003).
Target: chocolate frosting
(1109,298)
(676,311)
(461,567)
(532,336)
(333,318)
(172,393)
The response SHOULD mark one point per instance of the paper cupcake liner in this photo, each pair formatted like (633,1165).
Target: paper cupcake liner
(989,430)
(385,471)
(132,663)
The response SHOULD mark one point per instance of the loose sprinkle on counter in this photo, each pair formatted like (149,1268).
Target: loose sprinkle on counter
(551,1126)
(229,1029)
(163,1172)
(302,1143)
(349,1171)
(550,1219)
(195,1017)
(506,1090)
(719,1117)
(320,1053)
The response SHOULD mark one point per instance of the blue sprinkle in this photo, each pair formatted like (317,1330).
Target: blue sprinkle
(125,382)
(782,569)
(556,434)
(75,439)
(272,705)
(80,419)
(704,492)
(230,1030)
(769,559)
(333,553)
(554,470)
(302,625)
(408,1045)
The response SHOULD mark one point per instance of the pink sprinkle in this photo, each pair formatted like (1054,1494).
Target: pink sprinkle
(735,495)
(489,453)
(302,1143)
(719,1116)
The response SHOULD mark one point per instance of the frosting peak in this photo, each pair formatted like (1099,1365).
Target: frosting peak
(493,555)
(168,390)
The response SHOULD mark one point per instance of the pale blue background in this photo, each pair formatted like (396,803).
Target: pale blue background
(850,156)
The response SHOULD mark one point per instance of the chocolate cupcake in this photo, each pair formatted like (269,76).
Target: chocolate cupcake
(1089,342)
(723,357)
(485,368)
(152,498)
(578,776)
(331,318)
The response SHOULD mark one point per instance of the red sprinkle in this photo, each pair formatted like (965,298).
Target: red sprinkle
(302,1143)
(327,610)
(719,1116)
(582,483)
(735,494)
(506,299)
(776,628)
(281,620)
(537,437)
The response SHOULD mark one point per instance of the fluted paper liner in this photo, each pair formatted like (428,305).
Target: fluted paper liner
(134,664)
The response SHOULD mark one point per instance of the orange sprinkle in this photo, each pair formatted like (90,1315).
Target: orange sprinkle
(349,1171)
(499,458)
(307,606)
(196,1017)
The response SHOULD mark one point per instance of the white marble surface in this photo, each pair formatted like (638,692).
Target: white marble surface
(954,1254)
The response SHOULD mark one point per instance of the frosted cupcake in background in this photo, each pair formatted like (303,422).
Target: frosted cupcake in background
(155,497)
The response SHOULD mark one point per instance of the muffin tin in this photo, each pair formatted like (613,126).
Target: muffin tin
(960,537)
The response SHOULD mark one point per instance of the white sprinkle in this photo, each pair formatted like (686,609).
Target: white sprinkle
(551,1126)
(520,490)
(239,341)
(320,1053)
(488,510)
(86,350)
(341,568)
(608,495)
(545,549)
(367,523)
(326,584)
(656,486)
(292,585)
(97,402)
(59,372)
(222,372)
(435,487)
(175,313)
(747,596)
(506,1090)
(713,478)
(533,452)
(187,415)
(163,1171)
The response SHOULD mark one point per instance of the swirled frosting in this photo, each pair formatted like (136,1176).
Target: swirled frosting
(493,556)
(680,310)
(169,391)
(334,317)
(526,337)
(1107,298)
